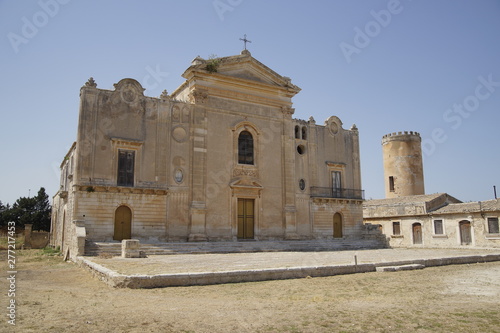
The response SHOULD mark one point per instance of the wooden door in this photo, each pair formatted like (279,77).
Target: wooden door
(246,218)
(337,225)
(123,223)
(465,233)
(417,233)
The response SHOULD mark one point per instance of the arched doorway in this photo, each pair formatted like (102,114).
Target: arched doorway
(417,233)
(337,225)
(123,223)
(465,232)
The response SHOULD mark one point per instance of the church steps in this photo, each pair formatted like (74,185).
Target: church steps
(114,248)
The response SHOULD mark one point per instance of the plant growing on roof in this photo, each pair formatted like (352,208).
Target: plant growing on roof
(212,63)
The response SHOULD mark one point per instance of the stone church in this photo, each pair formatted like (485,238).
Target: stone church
(219,159)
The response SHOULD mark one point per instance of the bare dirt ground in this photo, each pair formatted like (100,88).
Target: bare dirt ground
(57,296)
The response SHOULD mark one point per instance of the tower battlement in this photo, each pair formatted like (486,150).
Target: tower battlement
(401,136)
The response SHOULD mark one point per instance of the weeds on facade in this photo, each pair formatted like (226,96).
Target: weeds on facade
(213,63)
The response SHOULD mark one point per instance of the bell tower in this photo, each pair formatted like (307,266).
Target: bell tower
(403,166)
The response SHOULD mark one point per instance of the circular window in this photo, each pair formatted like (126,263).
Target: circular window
(301,149)
(302,184)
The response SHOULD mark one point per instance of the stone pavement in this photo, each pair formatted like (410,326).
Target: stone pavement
(201,269)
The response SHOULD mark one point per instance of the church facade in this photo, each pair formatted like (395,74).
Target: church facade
(219,159)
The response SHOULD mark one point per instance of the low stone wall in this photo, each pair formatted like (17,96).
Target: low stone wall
(117,280)
(35,239)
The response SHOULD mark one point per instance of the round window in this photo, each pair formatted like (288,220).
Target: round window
(302,184)
(301,149)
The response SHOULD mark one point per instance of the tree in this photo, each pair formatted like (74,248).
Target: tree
(42,211)
(35,211)
(3,214)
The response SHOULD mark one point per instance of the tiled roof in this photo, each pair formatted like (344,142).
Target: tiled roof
(469,207)
(411,199)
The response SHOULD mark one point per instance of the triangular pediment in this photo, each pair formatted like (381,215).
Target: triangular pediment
(244,67)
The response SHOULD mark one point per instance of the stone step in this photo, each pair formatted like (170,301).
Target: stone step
(399,268)
(114,248)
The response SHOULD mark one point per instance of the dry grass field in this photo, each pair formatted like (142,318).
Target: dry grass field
(57,296)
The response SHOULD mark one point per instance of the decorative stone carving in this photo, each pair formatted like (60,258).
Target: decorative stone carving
(198,96)
(334,124)
(287,111)
(164,94)
(179,134)
(91,83)
(245,172)
(130,90)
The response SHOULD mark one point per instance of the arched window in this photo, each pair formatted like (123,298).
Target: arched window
(304,133)
(297,132)
(245,148)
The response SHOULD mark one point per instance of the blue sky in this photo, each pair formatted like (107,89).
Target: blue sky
(426,66)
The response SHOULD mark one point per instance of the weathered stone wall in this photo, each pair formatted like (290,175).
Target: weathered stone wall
(402,154)
(323,211)
(451,231)
(98,208)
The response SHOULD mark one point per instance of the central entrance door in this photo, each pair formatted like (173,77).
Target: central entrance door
(337,225)
(465,235)
(417,233)
(246,218)
(123,223)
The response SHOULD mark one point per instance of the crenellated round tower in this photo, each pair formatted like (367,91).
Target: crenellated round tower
(403,166)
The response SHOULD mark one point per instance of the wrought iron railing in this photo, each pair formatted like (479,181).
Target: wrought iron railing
(340,193)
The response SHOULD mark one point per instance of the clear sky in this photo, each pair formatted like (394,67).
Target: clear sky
(426,66)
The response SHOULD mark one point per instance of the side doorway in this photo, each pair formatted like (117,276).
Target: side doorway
(417,233)
(337,226)
(465,232)
(123,223)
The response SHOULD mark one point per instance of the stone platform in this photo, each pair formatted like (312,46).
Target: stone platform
(206,269)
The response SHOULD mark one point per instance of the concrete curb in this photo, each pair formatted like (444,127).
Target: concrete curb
(118,280)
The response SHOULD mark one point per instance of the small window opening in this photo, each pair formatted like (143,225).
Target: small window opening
(438,227)
(396,228)
(391,184)
(301,149)
(304,133)
(297,132)
(493,225)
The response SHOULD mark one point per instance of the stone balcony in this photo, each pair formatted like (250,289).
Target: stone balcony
(337,193)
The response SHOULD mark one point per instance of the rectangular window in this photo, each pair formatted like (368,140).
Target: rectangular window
(396,228)
(126,160)
(336,184)
(438,227)
(391,184)
(493,225)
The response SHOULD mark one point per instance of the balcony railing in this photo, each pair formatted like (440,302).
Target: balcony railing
(339,193)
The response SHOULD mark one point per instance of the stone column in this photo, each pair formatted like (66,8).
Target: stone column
(27,235)
(199,168)
(289,174)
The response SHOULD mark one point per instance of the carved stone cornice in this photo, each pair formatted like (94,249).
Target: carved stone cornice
(287,111)
(198,96)
(121,189)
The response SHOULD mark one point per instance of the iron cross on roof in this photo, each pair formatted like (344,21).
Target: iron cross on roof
(245,40)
